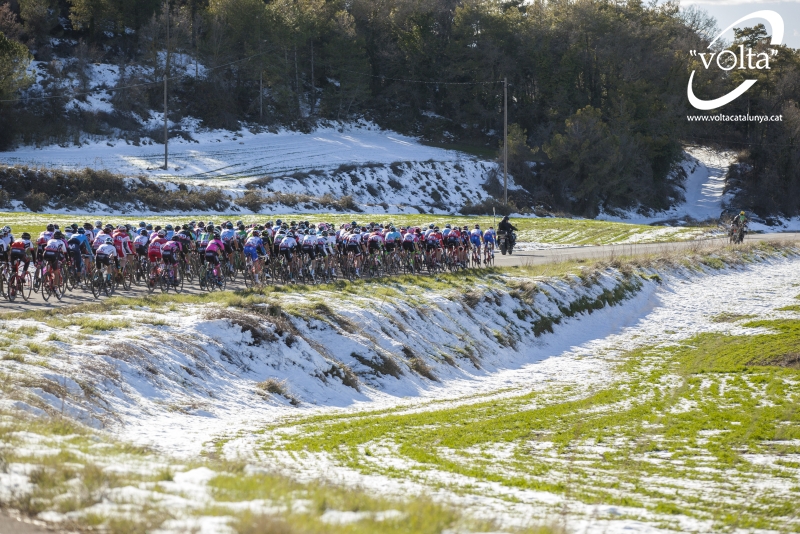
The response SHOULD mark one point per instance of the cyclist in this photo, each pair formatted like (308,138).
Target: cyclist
(169,253)
(123,244)
(78,245)
(489,242)
(254,246)
(21,251)
(5,243)
(54,253)
(140,243)
(214,249)
(476,238)
(353,241)
(105,252)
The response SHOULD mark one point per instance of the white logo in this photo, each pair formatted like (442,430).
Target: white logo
(724,63)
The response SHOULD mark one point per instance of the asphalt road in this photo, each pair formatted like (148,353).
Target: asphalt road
(16,525)
(531,257)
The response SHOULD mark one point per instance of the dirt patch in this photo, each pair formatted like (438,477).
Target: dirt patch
(790,361)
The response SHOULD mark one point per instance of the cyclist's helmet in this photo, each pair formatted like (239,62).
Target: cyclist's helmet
(168,227)
(430,226)
(209,223)
(241,227)
(741,212)
(216,235)
(108,241)
(353,223)
(56,235)
(149,227)
(201,224)
(436,229)
(256,233)
(478,226)
(50,228)
(88,226)
(55,226)
(121,227)
(162,233)
(278,222)
(26,235)
(81,231)
(98,223)
(74,226)
(143,231)
(447,226)
(142,224)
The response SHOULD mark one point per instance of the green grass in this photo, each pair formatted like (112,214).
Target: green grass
(691,412)
(543,230)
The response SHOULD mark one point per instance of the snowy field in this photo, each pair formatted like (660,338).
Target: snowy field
(190,385)
(217,157)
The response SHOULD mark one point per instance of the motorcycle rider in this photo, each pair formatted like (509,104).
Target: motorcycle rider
(506,226)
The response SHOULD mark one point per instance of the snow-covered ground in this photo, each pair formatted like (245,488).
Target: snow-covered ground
(217,157)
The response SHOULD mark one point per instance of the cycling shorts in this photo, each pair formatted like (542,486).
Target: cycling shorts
(251,252)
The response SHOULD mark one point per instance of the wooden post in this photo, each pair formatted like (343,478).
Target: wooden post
(505,141)
(166,75)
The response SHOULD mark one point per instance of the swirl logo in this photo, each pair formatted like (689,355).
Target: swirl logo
(723,60)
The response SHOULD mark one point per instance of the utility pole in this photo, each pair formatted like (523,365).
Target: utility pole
(505,141)
(166,74)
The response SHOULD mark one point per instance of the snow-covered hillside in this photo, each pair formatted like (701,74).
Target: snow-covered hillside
(381,170)
(706,171)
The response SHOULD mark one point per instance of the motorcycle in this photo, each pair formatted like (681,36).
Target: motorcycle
(737,233)
(506,241)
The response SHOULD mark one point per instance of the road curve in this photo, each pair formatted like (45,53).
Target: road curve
(519,258)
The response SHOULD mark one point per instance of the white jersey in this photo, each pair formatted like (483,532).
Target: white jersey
(108,250)
(227,235)
(354,239)
(56,245)
(141,241)
(309,240)
(288,242)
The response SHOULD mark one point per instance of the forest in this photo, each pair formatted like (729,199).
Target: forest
(597,106)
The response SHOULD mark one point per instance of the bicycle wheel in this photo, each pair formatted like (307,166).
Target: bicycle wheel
(247,276)
(37,279)
(97,284)
(127,276)
(47,286)
(109,285)
(11,288)
(26,283)
(177,281)
(61,287)
(221,282)
(152,278)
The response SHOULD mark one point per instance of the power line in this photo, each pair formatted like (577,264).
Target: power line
(419,81)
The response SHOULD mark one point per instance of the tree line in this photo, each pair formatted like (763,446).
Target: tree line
(596,89)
